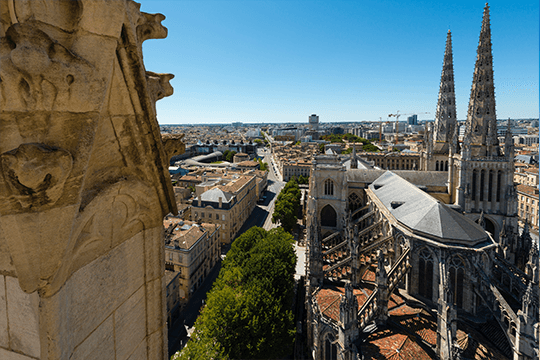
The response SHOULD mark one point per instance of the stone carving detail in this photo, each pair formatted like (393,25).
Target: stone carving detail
(40,74)
(173,145)
(36,173)
(84,181)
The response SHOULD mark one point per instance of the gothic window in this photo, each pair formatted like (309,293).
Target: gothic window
(330,349)
(474,176)
(437,165)
(328,216)
(490,185)
(328,187)
(482,180)
(425,274)
(457,271)
(446,166)
(354,202)
(499,185)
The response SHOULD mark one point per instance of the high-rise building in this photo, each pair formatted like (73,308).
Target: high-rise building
(413,120)
(314,122)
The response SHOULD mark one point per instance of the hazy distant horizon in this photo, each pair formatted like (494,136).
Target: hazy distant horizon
(280,61)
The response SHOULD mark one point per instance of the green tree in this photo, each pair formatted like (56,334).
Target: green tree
(370,148)
(248,312)
(225,153)
(287,205)
(230,156)
(303,179)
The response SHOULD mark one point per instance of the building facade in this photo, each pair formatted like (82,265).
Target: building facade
(191,251)
(227,201)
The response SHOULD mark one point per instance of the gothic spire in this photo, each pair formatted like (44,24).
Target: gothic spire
(481,127)
(509,142)
(445,116)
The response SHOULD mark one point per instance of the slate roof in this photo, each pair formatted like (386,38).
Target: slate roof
(425,215)
(214,195)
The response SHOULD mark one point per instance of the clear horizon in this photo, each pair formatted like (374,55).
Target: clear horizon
(280,61)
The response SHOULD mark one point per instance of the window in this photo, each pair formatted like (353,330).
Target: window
(328,187)
(202,214)
(171,256)
(456,281)
(425,275)
(217,216)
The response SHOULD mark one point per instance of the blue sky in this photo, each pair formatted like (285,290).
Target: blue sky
(282,60)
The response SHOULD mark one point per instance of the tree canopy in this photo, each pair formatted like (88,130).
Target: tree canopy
(287,205)
(249,309)
(228,155)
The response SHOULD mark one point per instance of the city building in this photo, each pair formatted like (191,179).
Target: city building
(191,251)
(412,120)
(528,205)
(313,122)
(227,200)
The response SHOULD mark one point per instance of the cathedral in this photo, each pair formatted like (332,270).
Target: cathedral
(425,264)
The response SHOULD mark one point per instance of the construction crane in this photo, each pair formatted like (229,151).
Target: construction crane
(397,115)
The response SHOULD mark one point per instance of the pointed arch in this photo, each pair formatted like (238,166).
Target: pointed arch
(456,279)
(425,273)
(328,216)
(355,202)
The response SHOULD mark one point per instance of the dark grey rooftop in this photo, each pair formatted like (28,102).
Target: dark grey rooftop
(424,214)
(214,195)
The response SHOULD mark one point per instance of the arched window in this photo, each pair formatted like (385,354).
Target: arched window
(457,271)
(328,187)
(425,274)
(446,166)
(474,176)
(330,348)
(354,202)
(490,185)
(498,185)
(482,180)
(437,165)
(328,216)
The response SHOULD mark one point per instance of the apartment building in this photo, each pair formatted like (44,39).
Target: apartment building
(528,205)
(295,168)
(526,175)
(227,200)
(191,251)
(394,160)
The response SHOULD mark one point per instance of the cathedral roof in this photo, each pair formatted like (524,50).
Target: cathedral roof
(424,214)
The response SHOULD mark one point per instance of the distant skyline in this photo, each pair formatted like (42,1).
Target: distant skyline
(280,61)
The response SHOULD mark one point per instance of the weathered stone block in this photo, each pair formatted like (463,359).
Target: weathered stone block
(10,355)
(140,352)
(154,307)
(23,318)
(154,254)
(4,338)
(99,345)
(156,349)
(130,324)
(93,293)
(103,17)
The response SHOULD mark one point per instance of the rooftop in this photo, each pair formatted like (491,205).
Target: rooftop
(424,214)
